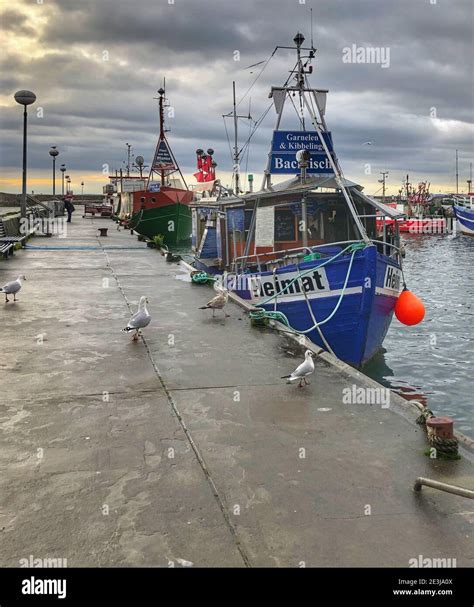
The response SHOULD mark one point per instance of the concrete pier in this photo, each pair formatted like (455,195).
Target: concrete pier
(187,447)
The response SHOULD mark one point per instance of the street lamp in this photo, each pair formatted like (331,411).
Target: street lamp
(82,186)
(62,168)
(54,152)
(68,181)
(24,98)
(128,158)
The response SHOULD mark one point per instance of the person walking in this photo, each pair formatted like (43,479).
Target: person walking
(70,208)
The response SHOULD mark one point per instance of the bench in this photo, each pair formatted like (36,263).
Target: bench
(103,210)
(6,249)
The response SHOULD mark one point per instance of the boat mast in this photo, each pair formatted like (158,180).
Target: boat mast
(161,93)
(236,147)
(172,165)
(299,39)
(236,152)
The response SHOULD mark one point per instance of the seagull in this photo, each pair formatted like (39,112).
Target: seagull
(12,288)
(303,371)
(217,303)
(139,320)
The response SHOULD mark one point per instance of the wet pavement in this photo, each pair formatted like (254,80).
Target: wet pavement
(187,447)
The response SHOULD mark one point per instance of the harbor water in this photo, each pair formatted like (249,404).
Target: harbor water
(434,361)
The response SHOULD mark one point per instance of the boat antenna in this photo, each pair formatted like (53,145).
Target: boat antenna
(236,151)
(311,11)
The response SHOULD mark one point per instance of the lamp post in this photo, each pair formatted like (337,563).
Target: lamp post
(82,186)
(129,145)
(53,152)
(62,168)
(68,181)
(24,98)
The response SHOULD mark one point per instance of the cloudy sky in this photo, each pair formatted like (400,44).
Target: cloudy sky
(95,66)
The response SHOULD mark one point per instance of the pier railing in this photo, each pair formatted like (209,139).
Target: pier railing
(428,482)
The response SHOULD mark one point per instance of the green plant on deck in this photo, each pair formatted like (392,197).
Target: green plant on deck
(17,246)
(159,241)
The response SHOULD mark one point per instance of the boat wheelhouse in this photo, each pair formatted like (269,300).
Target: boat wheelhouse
(306,251)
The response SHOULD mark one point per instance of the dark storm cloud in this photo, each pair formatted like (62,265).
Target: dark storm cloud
(92,106)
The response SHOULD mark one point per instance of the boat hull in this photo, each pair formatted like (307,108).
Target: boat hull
(166,212)
(357,323)
(465,218)
(172,221)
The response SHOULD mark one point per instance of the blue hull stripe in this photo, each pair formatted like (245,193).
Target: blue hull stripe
(358,328)
(465,218)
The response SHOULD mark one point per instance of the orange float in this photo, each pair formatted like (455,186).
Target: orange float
(409,308)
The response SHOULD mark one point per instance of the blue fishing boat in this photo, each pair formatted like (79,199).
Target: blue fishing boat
(305,251)
(464,211)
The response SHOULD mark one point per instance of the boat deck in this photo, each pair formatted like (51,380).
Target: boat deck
(188,445)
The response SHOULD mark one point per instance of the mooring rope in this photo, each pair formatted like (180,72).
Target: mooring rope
(446,446)
(260,315)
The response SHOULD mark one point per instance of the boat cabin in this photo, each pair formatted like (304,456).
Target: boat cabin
(261,229)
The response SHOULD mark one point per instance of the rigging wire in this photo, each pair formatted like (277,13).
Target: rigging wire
(262,117)
(258,76)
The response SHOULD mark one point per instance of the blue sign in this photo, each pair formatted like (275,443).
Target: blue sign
(154,186)
(286,144)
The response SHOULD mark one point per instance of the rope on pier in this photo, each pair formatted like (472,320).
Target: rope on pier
(201,278)
(445,446)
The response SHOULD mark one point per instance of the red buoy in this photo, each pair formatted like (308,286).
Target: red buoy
(409,308)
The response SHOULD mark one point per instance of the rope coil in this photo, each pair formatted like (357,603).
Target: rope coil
(201,278)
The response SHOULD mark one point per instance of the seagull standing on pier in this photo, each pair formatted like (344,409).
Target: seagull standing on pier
(303,371)
(217,303)
(12,288)
(139,320)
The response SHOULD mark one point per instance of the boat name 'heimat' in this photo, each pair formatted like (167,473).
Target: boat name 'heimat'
(266,286)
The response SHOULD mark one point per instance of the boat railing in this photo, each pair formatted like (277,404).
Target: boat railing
(278,256)
(464,201)
(244,259)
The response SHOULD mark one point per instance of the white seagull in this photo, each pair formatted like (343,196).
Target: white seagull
(139,320)
(217,303)
(12,288)
(303,371)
